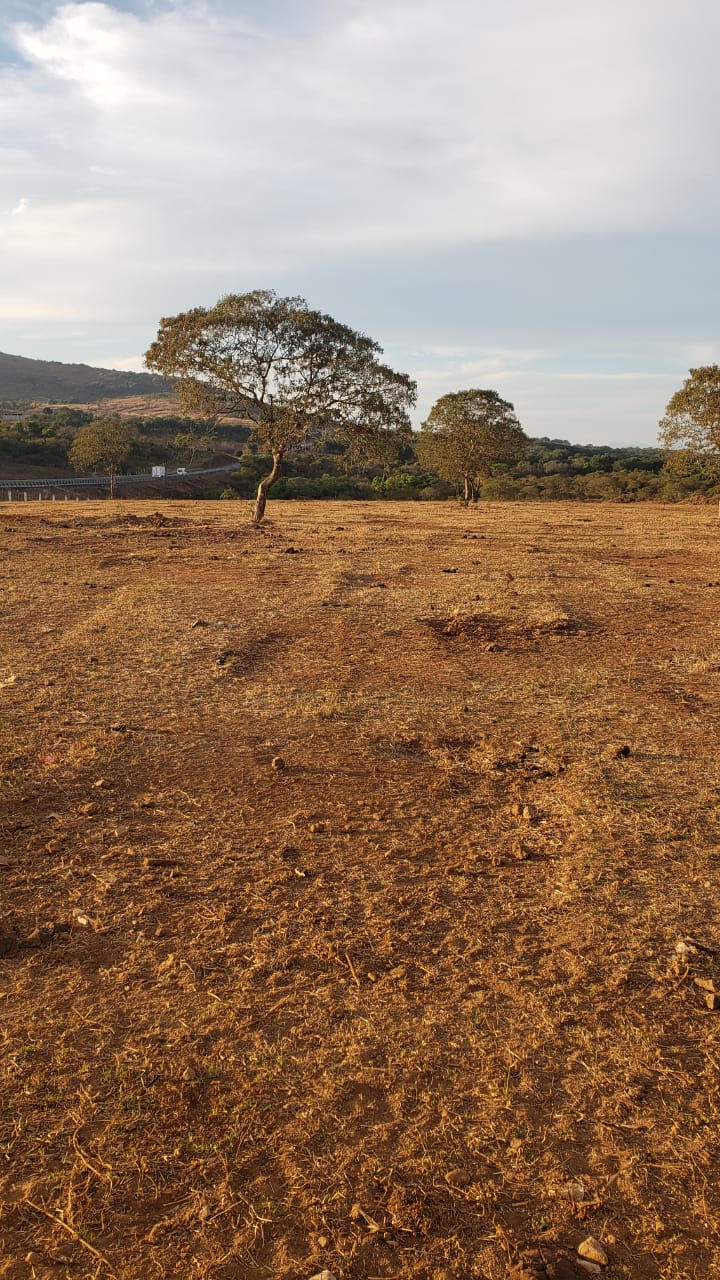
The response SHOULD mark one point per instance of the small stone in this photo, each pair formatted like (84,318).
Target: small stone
(83,921)
(277,762)
(685,949)
(574,1191)
(592,1251)
(616,751)
(549,1263)
(458,1178)
(712,1000)
(322,1242)
(323,1275)
(89,808)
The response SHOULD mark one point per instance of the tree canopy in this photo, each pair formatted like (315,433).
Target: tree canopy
(466,434)
(292,370)
(691,425)
(102,445)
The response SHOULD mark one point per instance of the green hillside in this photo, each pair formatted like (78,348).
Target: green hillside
(22,379)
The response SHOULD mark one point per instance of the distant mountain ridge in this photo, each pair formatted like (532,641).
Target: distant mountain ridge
(24,379)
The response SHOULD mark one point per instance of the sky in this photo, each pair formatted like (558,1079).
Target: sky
(521,196)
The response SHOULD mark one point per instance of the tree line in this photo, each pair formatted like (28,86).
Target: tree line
(307,386)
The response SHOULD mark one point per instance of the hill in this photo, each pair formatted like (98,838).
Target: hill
(25,379)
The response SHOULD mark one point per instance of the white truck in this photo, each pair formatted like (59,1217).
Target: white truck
(158,471)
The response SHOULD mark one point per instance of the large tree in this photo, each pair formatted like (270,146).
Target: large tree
(465,434)
(292,370)
(690,429)
(102,445)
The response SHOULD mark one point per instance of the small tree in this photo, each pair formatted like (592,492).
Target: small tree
(465,434)
(690,429)
(102,445)
(292,370)
(192,443)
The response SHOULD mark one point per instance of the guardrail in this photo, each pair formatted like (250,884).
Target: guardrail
(10,487)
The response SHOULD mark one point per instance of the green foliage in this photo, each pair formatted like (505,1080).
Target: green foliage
(102,445)
(22,452)
(690,429)
(547,469)
(292,370)
(401,484)
(466,433)
(324,486)
(191,442)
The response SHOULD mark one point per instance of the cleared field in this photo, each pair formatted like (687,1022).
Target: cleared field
(359,890)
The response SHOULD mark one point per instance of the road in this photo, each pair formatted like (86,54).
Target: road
(102,482)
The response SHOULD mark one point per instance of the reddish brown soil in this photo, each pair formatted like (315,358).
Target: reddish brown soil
(344,868)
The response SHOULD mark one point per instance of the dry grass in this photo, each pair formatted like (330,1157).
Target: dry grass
(375,1006)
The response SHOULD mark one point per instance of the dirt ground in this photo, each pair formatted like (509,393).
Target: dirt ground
(358,890)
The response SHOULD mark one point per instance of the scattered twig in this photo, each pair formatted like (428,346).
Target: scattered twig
(71,1231)
(351,967)
(356,1213)
(104,1174)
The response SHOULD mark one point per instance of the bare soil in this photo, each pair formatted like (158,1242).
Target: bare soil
(359,891)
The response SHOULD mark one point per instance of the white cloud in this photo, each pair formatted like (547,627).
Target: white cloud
(410,121)
(130,364)
(22,205)
(187,149)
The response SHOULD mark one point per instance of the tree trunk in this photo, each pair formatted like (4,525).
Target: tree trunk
(468,490)
(112,483)
(264,488)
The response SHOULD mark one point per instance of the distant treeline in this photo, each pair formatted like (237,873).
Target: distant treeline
(548,469)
